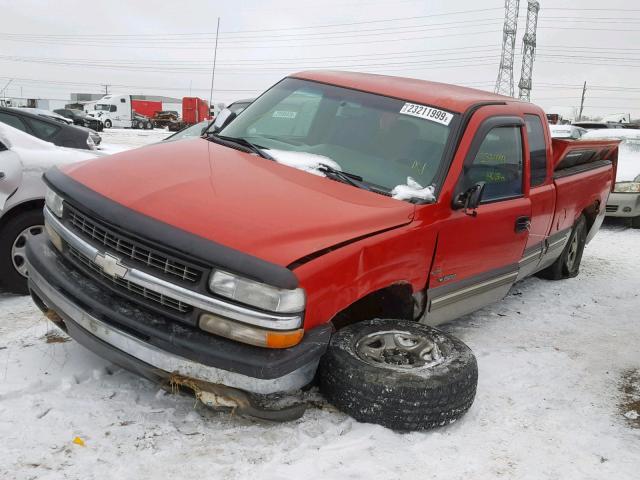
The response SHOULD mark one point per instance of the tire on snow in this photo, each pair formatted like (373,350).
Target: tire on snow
(396,397)
(567,265)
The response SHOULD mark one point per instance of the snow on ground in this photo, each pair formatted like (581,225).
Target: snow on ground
(116,140)
(558,361)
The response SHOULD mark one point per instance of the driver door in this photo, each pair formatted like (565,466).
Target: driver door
(477,253)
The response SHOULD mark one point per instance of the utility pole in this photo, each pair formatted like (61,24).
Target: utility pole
(504,82)
(106,89)
(213,71)
(584,90)
(528,51)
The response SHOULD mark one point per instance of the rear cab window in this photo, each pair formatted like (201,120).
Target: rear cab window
(537,149)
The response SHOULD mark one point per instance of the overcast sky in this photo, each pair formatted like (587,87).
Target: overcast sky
(53,48)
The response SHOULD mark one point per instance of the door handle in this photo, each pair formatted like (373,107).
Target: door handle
(523,224)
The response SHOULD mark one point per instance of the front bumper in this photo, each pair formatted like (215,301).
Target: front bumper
(155,347)
(623,205)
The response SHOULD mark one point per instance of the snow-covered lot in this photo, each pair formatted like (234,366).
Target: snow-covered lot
(559,367)
(119,139)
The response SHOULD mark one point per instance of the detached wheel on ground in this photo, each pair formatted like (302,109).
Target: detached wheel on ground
(399,374)
(568,263)
(13,238)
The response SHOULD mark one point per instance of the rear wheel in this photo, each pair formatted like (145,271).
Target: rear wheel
(13,239)
(568,263)
(398,373)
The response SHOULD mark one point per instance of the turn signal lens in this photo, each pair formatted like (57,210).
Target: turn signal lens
(248,334)
(284,339)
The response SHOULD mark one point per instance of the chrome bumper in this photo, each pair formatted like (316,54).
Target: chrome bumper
(156,358)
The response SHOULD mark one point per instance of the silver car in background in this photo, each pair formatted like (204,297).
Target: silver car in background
(624,201)
(23,159)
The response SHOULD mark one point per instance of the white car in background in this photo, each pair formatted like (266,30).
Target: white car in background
(23,159)
(567,131)
(624,201)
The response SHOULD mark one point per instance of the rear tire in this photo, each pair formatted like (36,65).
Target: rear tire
(567,264)
(400,390)
(12,240)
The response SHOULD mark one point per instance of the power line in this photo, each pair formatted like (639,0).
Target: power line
(478,10)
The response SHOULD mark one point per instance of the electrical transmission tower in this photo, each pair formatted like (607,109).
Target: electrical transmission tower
(504,83)
(528,50)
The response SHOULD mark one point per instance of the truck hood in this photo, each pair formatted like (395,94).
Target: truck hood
(269,210)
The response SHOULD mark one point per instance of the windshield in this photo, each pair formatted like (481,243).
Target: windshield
(383,140)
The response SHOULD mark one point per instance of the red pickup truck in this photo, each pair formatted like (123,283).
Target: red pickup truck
(321,235)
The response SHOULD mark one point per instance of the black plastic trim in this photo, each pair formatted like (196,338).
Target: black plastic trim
(585,167)
(166,237)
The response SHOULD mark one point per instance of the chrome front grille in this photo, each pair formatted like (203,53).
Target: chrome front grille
(611,208)
(139,290)
(89,228)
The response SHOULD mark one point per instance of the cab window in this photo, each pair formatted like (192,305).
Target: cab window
(42,130)
(537,150)
(13,121)
(499,164)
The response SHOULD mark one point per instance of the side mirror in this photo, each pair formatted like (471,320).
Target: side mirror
(470,199)
(223,119)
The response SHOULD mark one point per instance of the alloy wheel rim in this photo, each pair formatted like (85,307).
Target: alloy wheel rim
(18,249)
(399,350)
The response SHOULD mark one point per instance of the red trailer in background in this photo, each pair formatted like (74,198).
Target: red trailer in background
(146,107)
(194,110)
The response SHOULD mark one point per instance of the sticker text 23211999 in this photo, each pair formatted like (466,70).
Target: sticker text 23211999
(428,113)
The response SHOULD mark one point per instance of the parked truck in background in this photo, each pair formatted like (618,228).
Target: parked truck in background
(194,110)
(324,230)
(117,110)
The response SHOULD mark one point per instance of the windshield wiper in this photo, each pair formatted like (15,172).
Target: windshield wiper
(244,143)
(345,177)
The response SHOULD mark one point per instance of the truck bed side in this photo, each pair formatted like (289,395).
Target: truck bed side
(584,175)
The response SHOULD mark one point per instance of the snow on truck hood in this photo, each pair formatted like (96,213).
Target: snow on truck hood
(243,201)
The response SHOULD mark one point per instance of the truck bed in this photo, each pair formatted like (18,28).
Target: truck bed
(581,167)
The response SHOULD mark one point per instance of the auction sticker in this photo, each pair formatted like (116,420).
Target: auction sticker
(428,113)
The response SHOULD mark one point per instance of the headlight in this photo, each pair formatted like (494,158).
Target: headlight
(627,187)
(259,295)
(54,202)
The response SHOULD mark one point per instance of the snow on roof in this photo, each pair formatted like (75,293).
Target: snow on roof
(621,133)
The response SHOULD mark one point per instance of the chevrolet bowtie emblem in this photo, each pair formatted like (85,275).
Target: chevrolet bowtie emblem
(111,265)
